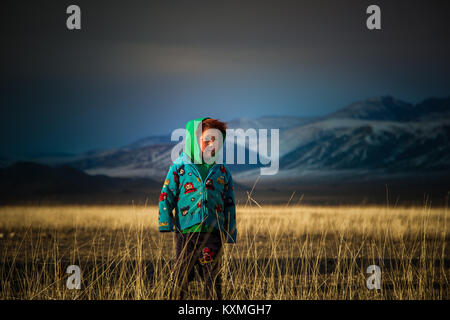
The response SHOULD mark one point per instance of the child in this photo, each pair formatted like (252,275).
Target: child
(202,194)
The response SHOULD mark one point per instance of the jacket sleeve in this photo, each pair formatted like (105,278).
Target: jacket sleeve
(168,199)
(230,212)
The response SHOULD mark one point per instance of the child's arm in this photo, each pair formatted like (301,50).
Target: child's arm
(168,200)
(230,212)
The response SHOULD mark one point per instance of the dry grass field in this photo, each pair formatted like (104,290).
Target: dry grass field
(283,252)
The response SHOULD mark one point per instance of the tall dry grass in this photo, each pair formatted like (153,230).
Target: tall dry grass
(283,252)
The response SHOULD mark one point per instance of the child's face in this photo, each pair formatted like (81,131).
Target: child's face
(209,141)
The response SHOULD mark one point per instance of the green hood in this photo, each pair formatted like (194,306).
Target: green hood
(191,146)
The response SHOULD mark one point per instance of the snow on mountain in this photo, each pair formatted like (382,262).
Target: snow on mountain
(363,144)
(146,161)
(376,135)
(151,156)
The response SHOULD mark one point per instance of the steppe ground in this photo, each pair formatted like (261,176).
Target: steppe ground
(283,252)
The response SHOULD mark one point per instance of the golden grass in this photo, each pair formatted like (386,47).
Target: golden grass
(295,252)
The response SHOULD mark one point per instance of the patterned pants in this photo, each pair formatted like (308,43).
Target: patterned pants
(203,249)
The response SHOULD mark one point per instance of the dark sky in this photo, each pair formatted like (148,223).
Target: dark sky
(140,68)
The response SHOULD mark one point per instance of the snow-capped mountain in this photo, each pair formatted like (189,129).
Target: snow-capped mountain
(368,138)
(151,156)
(364,144)
(380,134)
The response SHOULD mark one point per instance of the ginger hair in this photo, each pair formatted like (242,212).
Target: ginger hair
(213,124)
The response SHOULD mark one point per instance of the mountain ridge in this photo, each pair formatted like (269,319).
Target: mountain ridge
(372,134)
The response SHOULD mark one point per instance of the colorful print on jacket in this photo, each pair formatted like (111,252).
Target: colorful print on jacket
(189,183)
(194,200)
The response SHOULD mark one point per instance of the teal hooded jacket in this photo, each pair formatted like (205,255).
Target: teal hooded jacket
(196,200)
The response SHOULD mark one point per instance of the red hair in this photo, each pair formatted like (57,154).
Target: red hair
(213,124)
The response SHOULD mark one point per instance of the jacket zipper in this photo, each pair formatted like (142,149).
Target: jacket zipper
(203,187)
